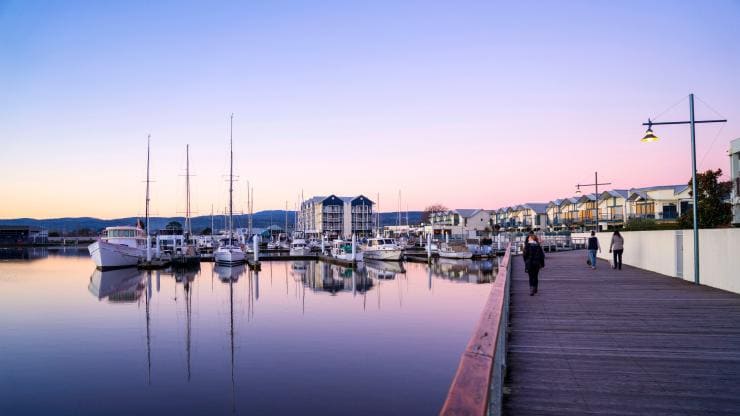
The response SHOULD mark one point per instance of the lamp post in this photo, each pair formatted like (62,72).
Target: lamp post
(596,193)
(650,137)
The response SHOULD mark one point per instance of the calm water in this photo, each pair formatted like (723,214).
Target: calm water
(299,337)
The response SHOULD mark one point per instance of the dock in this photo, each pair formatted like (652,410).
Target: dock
(627,342)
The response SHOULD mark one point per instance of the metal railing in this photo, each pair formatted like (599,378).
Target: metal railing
(477,388)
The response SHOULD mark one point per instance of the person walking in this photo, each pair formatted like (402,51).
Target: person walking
(617,247)
(593,246)
(534,260)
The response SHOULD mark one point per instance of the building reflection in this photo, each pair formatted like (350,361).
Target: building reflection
(23,253)
(331,278)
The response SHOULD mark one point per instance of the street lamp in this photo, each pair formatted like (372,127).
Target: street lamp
(596,194)
(651,137)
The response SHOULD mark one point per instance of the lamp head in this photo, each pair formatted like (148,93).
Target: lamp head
(649,137)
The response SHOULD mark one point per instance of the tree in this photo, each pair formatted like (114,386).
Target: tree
(713,210)
(206,231)
(173,226)
(54,234)
(431,209)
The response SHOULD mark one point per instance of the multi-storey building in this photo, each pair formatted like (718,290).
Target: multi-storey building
(337,216)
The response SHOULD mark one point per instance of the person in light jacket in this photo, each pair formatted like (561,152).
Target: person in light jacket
(593,246)
(534,260)
(617,247)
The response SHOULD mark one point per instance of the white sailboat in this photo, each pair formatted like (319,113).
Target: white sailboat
(230,254)
(124,246)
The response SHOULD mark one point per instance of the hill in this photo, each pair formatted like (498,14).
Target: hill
(262,219)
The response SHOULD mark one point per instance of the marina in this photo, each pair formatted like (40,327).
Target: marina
(229,339)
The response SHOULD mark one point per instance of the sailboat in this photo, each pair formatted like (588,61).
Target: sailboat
(189,256)
(230,254)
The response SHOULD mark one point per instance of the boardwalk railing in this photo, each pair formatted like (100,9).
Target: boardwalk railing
(477,388)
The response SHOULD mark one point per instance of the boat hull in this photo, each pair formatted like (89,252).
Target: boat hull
(385,255)
(112,256)
(359,256)
(456,254)
(229,257)
(301,251)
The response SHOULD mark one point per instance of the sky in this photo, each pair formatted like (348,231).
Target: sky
(471,104)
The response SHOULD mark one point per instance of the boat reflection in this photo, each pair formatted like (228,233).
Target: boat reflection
(468,271)
(121,285)
(383,270)
(229,273)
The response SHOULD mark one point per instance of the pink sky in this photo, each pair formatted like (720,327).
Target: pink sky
(470,105)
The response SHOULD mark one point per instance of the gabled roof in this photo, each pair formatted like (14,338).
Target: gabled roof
(642,193)
(571,200)
(554,203)
(587,198)
(614,193)
(538,207)
(467,213)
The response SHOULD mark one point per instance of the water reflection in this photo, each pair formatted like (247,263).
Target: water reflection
(122,285)
(196,332)
(465,270)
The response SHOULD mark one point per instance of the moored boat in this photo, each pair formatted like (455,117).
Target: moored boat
(122,246)
(379,248)
(455,251)
(342,250)
(298,247)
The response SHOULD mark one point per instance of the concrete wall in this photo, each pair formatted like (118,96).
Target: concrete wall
(672,253)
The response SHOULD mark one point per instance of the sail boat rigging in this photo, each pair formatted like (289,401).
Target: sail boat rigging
(230,254)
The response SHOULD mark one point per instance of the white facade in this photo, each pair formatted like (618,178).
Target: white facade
(672,253)
(735,175)
(337,216)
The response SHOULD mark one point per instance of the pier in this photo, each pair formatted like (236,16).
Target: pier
(602,342)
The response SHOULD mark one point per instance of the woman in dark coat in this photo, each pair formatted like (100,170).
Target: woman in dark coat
(534,260)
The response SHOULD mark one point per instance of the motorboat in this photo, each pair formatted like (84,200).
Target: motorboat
(455,251)
(342,250)
(298,247)
(379,248)
(121,246)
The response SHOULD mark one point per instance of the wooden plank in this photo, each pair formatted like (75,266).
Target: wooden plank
(620,342)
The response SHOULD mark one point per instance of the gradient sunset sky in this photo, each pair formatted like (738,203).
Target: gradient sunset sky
(465,103)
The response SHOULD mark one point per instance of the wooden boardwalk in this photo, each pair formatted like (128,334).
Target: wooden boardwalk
(620,343)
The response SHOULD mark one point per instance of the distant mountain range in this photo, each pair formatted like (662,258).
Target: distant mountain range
(262,219)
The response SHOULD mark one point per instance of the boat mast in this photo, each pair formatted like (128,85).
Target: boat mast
(231,178)
(286,221)
(188,224)
(146,210)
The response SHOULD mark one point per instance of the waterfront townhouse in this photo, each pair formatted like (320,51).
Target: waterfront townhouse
(612,207)
(554,217)
(662,203)
(532,215)
(337,216)
(462,222)
(569,212)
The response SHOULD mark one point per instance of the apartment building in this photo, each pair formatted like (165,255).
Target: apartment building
(337,216)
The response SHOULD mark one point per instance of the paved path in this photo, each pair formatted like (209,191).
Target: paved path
(622,343)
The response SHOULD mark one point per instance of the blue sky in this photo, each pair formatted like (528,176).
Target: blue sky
(471,104)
